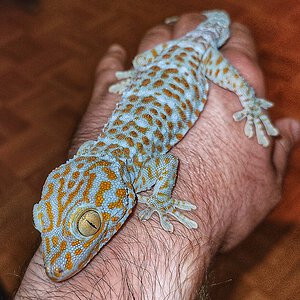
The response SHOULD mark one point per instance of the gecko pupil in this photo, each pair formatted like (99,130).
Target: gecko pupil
(89,223)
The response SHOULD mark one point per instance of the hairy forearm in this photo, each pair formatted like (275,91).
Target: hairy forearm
(140,263)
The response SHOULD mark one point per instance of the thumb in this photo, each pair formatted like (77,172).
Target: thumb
(289,135)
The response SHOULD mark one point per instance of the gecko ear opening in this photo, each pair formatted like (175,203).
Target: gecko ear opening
(37,217)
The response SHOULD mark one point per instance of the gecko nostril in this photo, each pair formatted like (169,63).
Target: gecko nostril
(58,272)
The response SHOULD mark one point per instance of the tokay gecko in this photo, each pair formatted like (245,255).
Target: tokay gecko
(86,200)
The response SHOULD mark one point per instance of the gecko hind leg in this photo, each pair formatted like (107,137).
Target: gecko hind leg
(221,72)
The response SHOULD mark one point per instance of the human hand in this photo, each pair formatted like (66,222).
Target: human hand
(233,181)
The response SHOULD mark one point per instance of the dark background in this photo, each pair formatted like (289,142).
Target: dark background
(48,53)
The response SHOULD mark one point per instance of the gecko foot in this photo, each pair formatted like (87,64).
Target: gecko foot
(155,205)
(257,121)
(125,80)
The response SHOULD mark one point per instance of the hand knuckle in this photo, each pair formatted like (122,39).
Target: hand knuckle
(160,30)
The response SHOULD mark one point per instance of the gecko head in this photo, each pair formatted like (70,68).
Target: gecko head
(84,202)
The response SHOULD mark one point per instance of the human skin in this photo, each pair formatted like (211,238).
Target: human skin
(233,181)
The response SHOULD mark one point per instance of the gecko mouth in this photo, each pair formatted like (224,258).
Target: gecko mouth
(58,274)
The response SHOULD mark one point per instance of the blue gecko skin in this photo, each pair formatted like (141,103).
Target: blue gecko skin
(86,200)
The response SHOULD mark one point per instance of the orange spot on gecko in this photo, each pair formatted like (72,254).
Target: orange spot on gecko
(145,140)
(104,186)
(75,175)
(117,122)
(69,264)
(133,98)
(71,184)
(219,60)
(145,82)
(118,226)
(154,52)
(158,83)
(63,247)
(177,88)
(49,192)
(140,147)
(155,68)
(158,123)
(167,92)
(163,116)
(112,131)
(129,140)
(148,118)
(121,193)
(182,114)
(78,251)
(75,243)
(50,216)
(139,110)
(150,175)
(116,204)
(110,173)
(159,135)
(55,241)
(137,162)
(154,111)
(170,125)
(197,112)
(133,134)
(47,241)
(179,136)
(168,109)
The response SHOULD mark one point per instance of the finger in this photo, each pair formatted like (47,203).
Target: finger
(102,103)
(289,135)
(187,23)
(112,62)
(157,35)
(241,41)
(240,51)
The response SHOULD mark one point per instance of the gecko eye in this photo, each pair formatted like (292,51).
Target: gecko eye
(89,223)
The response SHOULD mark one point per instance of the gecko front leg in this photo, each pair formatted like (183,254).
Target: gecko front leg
(161,173)
(139,62)
(221,72)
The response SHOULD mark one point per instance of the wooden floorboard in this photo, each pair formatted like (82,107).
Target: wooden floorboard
(48,54)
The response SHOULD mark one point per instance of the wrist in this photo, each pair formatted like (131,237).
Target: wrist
(141,260)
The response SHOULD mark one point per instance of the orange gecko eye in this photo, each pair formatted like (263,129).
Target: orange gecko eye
(88,223)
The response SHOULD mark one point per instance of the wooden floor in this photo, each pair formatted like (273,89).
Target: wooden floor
(48,53)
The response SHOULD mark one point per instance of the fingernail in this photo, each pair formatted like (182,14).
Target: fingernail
(114,47)
(295,127)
